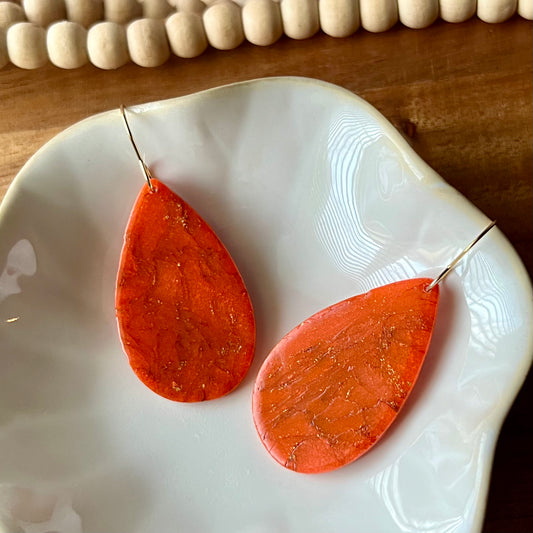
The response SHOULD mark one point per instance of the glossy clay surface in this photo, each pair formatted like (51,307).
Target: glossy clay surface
(317,198)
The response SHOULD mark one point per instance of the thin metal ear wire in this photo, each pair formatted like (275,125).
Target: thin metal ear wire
(452,265)
(144,166)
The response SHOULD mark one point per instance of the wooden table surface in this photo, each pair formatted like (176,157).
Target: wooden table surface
(460,93)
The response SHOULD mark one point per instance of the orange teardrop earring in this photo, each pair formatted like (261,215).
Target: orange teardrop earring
(330,389)
(184,315)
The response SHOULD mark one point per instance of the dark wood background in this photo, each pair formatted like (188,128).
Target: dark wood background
(461,94)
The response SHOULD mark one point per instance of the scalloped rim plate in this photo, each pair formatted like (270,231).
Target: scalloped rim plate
(317,197)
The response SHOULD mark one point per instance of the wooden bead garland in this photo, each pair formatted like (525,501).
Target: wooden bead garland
(378,15)
(26,45)
(10,13)
(223,25)
(156,9)
(494,11)
(84,12)
(525,9)
(339,18)
(66,44)
(70,33)
(122,11)
(44,12)
(300,18)
(261,21)
(147,42)
(107,45)
(418,14)
(186,34)
(457,10)
(190,6)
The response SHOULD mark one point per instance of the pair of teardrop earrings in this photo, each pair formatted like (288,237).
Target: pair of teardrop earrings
(327,391)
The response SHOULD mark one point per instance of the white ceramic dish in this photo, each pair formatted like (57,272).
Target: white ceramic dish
(317,197)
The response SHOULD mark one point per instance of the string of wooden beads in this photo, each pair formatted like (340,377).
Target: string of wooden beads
(109,33)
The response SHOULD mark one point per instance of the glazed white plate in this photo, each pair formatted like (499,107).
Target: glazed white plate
(317,197)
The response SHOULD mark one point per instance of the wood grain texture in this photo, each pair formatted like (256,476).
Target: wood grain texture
(460,93)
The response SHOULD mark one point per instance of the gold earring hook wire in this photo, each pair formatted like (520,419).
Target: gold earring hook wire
(144,166)
(452,265)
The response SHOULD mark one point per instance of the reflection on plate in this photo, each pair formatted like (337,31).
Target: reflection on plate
(317,198)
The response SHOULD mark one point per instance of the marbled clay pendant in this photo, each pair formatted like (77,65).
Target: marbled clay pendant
(184,315)
(331,388)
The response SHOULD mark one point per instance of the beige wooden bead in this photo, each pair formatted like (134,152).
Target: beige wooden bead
(4,57)
(378,15)
(156,9)
(107,45)
(494,11)
(85,12)
(26,45)
(261,21)
(418,14)
(189,6)
(186,34)
(147,42)
(457,10)
(10,13)
(525,9)
(44,12)
(66,44)
(339,18)
(122,11)
(300,18)
(223,25)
